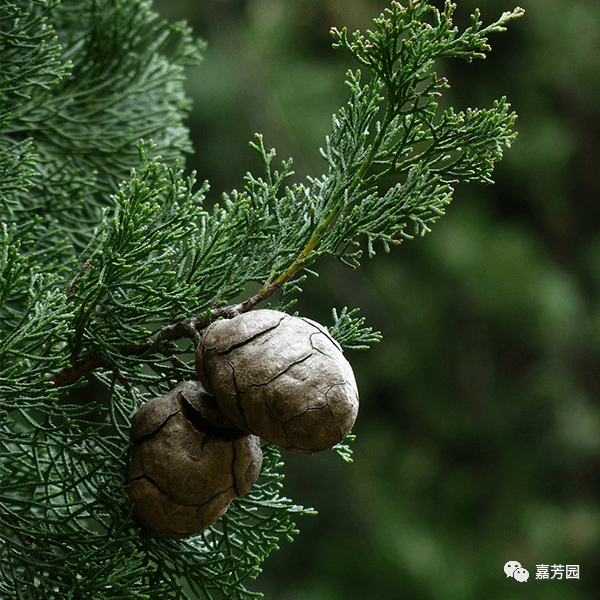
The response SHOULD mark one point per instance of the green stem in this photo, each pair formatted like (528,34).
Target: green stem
(270,287)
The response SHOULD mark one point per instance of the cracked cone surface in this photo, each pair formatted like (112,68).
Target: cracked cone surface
(185,471)
(281,377)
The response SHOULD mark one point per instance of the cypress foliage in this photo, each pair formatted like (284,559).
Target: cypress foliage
(111,266)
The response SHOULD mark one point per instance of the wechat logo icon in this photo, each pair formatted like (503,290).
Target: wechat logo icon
(514,569)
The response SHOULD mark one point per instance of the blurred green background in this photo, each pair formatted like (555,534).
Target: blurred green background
(479,431)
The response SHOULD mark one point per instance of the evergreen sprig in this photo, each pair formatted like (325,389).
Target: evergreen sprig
(133,273)
(34,321)
(87,80)
(31,54)
(350,332)
(110,267)
(389,130)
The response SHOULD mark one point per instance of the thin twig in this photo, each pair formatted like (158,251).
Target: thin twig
(187,328)
(86,264)
(68,375)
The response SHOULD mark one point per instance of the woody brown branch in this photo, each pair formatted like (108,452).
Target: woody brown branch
(187,328)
